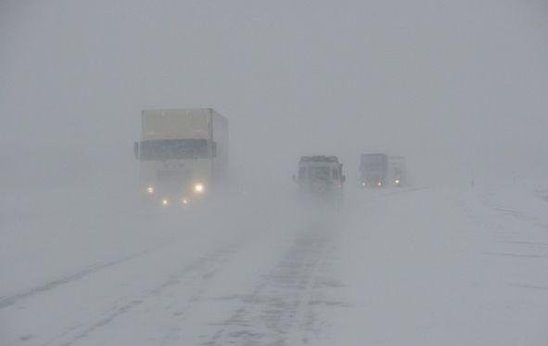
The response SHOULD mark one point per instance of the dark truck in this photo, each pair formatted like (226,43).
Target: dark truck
(373,170)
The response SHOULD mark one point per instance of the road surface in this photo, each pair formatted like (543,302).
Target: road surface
(432,266)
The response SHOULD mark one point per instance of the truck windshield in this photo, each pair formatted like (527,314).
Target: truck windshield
(319,173)
(174,149)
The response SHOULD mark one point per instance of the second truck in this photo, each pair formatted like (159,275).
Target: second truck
(373,170)
(321,177)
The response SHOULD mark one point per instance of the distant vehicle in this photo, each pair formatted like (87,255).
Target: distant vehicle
(373,170)
(320,176)
(397,171)
(183,154)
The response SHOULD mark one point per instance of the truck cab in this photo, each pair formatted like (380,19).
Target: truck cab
(320,176)
(397,171)
(183,155)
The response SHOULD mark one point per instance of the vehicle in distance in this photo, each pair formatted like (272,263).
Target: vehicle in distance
(320,176)
(183,154)
(397,171)
(373,170)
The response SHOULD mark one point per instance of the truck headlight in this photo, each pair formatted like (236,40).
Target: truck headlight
(397,182)
(165,202)
(199,188)
(184,201)
(150,189)
(379,184)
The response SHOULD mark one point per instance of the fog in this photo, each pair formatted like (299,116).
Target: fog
(459,88)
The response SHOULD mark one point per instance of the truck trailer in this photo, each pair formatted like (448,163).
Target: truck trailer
(182,153)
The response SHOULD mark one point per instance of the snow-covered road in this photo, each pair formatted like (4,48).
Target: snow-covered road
(433,266)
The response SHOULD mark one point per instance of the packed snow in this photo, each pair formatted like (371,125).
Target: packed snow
(409,266)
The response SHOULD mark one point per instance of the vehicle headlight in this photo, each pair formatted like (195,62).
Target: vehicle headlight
(150,189)
(397,181)
(184,201)
(363,184)
(379,184)
(165,202)
(199,188)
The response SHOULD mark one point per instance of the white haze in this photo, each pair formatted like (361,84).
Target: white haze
(457,87)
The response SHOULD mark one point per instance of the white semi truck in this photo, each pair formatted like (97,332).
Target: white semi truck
(182,153)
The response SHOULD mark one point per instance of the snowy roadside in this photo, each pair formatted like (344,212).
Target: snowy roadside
(431,267)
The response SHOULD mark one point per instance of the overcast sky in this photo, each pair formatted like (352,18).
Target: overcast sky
(450,84)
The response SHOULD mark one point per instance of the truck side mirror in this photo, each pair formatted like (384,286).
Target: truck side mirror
(136,150)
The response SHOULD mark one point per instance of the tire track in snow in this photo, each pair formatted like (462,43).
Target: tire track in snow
(278,310)
(51,285)
(516,214)
(203,268)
